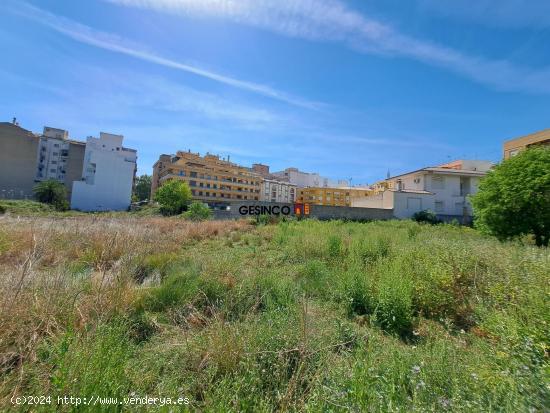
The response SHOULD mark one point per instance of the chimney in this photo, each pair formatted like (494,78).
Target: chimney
(14,121)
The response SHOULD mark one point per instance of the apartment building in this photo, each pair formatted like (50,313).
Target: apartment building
(107,175)
(515,146)
(443,189)
(273,190)
(212,180)
(27,158)
(59,158)
(307,179)
(341,196)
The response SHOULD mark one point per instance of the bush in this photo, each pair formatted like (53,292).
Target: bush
(53,193)
(173,197)
(198,212)
(2,209)
(427,217)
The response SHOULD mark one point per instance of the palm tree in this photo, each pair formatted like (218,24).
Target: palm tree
(51,192)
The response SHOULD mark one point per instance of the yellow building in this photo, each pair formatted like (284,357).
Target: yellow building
(514,146)
(330,196)
(212,180)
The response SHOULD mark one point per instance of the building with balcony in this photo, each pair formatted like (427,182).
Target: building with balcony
(107,175)
(341,196)
(443,189)
(217,182)
(59,158)
(27,158)
(515,146)
(273,190)
(273,187)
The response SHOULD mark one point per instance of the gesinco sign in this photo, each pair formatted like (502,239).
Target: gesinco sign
(255,209)
(264,210)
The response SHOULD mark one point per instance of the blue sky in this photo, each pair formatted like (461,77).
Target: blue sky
(349,89)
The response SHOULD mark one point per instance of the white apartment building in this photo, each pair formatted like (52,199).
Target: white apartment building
(443,189)
(307,179)
(273,190)
(107,175)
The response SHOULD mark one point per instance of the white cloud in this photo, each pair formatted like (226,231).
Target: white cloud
(334,21)
(108,41)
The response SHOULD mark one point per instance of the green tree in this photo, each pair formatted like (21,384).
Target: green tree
(514,198)
(52,192)
(198,212)
(142,190)
(173,197)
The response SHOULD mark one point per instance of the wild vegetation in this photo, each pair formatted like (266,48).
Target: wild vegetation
(514,198)
(173,197)
(292,316)
(52,192)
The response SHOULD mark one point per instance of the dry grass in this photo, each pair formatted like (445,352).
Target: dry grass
(71,273)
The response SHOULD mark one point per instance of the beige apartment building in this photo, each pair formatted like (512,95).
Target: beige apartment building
(514,146)
(341,196)
(212,180)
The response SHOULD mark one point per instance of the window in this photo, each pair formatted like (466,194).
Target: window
(439,206)
(414,204)
(55,153)
(438,182)
(192,183)
(193,174)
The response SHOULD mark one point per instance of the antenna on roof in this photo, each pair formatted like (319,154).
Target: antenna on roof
(388,174)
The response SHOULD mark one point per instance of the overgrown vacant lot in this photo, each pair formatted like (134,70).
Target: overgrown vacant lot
(297,316)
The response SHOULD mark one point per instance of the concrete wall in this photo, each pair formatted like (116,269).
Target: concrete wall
(18,151)
(351,213)
(404,204)
(316,211)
